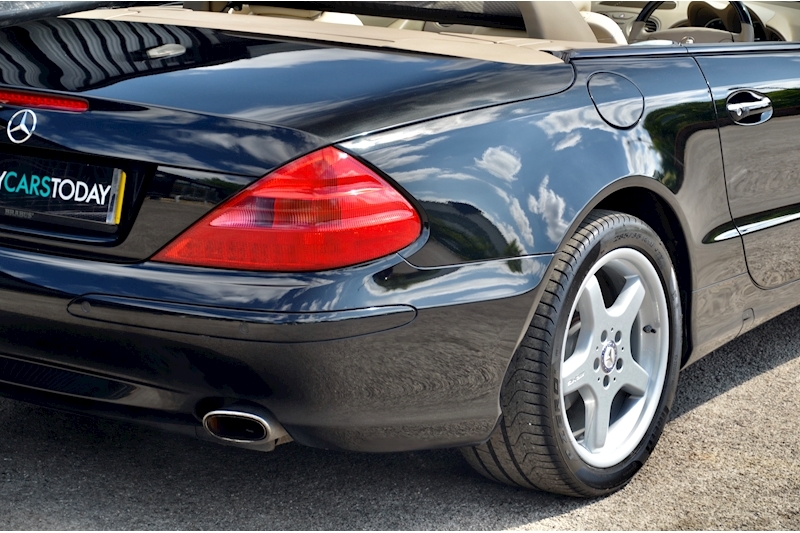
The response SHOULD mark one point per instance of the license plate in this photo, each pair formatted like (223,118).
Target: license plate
(32,185)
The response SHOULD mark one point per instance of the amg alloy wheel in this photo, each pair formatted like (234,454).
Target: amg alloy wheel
(590,388)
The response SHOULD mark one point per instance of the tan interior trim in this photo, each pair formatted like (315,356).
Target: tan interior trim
(502,49)
(555,20)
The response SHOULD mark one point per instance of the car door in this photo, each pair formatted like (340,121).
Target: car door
(756,90)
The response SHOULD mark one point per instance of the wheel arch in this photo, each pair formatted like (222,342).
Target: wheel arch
(533,408)
(655,204)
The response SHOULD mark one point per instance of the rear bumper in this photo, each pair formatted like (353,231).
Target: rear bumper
(379,357)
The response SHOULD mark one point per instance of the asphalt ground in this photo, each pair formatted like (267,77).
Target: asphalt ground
(728,459)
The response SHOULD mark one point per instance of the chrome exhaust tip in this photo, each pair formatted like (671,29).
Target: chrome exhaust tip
(243,425)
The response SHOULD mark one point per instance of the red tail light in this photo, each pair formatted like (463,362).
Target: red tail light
(42,101)
(325,210)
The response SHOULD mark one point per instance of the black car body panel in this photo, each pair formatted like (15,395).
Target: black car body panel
(408,351)
(539,149)
(209,335)
(364,90)
(534,151)
(190,122)
(762,180)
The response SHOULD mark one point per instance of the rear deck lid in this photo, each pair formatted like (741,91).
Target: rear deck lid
(332,91)
(167,135)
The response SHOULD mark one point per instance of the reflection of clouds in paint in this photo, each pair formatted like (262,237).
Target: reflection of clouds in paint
(156,115)
(521,219)
(276,114)
(232,144)
(327,304)
(551,208)
(433,127)
(565,126)
(509,233)
(568,142)
(501,162)
(402,154)
(641,156)
(456,176)
(523,111)
(622,113)
(582,118)
(605,80)
(415,175)
(432,172)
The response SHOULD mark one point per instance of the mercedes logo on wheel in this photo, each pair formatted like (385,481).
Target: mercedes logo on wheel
(609,356)
(21,126)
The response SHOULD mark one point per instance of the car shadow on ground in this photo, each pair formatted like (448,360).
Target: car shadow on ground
(760,350)
(59,471)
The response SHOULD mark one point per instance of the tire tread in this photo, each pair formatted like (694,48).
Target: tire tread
(521,451)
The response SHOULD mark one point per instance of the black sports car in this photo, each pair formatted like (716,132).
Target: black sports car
(394,226)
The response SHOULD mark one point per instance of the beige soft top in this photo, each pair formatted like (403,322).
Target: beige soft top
(503,49)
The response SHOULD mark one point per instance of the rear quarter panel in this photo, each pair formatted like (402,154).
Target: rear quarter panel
(516,180)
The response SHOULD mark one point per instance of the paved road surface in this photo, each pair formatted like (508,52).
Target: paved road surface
(729,458)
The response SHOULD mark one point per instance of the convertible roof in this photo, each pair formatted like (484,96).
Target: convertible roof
(502,49)
(489,14)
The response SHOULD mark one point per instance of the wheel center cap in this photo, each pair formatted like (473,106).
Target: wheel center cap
(608,357)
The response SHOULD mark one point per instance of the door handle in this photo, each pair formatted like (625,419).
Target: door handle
(749,108)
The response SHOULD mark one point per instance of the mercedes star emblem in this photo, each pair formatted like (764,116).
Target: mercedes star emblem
(609,357)
(21,126)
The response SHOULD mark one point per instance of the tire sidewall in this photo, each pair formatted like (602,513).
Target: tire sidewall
(634,234)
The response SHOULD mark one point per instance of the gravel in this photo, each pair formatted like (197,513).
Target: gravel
(728,459)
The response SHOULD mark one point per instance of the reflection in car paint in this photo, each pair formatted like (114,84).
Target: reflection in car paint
(397,283)
(551,207)
(524,161)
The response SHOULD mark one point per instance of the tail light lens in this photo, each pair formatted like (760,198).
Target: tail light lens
(42,101)
(325,210)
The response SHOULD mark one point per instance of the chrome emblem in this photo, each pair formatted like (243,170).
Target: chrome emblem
(609,357)
(21,126)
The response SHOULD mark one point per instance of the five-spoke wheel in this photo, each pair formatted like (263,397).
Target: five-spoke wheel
(615,357)
(590,387)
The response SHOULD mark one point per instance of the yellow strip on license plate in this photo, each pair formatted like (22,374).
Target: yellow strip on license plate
(118,191)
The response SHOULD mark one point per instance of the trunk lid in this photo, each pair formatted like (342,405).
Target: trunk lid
(192,115)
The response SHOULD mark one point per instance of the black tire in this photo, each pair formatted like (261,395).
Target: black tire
(531,446)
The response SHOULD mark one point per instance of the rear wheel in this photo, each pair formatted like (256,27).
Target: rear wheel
(589,390)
